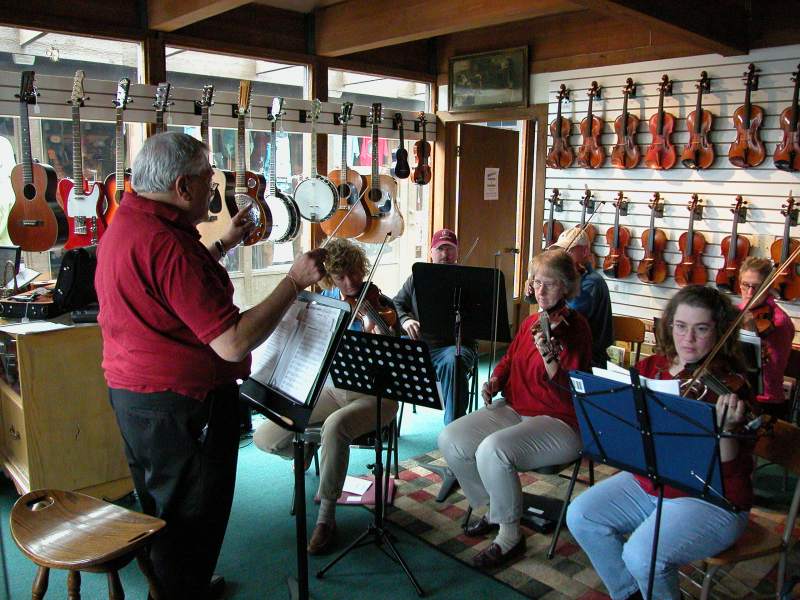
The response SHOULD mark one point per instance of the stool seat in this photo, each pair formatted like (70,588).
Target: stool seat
(72,531)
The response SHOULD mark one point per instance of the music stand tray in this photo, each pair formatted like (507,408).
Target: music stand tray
(286,391)
(386,367)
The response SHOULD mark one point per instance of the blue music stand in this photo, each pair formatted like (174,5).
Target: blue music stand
(669,439)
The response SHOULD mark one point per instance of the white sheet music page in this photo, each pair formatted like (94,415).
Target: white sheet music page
(301,362)
(266,356)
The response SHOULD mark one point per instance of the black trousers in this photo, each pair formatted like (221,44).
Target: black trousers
(182,455)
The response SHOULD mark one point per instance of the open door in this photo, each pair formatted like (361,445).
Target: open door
(487,200)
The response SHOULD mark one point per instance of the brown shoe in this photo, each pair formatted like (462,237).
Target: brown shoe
(492,557)
(480,528)
(322,539)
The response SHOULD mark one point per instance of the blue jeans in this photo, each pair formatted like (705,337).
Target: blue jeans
(691,529)
(444,361)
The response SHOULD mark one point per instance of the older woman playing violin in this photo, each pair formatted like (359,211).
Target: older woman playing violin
(776,331)
(624,505)
(534,424)
(344,415)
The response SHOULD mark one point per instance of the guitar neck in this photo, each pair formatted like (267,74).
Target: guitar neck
(120,152)
(240,178)
(343,177)
(314,171)
(204,125)
(375,155)
(25,127)
(77,157)
(159,121)
(273,159)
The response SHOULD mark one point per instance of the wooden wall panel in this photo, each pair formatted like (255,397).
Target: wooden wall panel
(765,188)
(98,18)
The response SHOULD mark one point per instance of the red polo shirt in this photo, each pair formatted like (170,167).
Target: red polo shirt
(163,298)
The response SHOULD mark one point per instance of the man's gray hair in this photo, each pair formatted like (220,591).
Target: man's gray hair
(165,157)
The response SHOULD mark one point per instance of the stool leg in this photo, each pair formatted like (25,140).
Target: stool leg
(74,585)
(115,591)
(40,583)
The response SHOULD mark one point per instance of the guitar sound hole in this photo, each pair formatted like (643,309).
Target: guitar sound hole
(29,191)
(344,191)
(252,183)
(375,195)
(216,203)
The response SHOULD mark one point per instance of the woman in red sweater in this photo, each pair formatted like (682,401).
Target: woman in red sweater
(624,505)
(534,424)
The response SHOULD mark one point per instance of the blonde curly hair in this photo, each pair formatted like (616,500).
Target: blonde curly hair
(343,257)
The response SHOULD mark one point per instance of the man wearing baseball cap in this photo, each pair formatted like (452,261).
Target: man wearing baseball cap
(444,251)
(594,301)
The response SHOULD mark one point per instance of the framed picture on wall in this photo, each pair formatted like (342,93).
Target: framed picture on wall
(497,79)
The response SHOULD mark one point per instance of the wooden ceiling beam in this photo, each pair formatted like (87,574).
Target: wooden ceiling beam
(169,15)
(359,25)
(720,26)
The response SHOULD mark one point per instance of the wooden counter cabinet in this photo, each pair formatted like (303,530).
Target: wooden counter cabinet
(59,430)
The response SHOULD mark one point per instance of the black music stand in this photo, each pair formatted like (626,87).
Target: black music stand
(459,302)
(386,367)
(669,439)
(294,413)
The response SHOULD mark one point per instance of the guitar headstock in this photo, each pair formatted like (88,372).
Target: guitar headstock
(346,113)
(665,87)
(421,118)
(243,106)
(27,88)
(563,93)
(122,99)
(398,121)
(630,88)
(750,77)
(704,83)
(276,110)
(78,97)
(316,109)
(376,113)
(162,100)
(207,97)
(593,91)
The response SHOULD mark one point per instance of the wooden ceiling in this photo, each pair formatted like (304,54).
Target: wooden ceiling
(344,27)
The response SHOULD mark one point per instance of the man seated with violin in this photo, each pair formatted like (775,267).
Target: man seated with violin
(344,415)
(444,251)
(776,331)
(594,301)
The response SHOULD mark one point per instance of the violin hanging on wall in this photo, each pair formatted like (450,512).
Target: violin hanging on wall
(699,152)
(560,155)
(661,153)
(553,228)
(748,149)
(422,151)
(691,244)
(616,263)
(626,153)
(735,249)
(652,268)
(587,204)
(591,153)
(401,168)
(788,282)
(787,153)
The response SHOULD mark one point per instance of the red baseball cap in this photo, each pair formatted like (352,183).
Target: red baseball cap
(442,237)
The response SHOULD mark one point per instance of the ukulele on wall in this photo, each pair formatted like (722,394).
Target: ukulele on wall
(560,155)
(83,203)
(114,191)
(616,263)
(401,168)
(626,153)
(350,185)
(381,196)
(661,153)
(691,270)
(748,149)
(699,152)
(161,104)
(652,268)
(735,249)
(553,228)
(787,153)
(422,151)
(591,153)
(36,222)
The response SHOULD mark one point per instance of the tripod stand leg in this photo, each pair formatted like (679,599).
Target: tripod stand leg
(552,550)
(654,552)
(354,544)
(385,539)
(300,586)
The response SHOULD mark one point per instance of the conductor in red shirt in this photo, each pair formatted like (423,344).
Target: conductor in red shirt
(174,345)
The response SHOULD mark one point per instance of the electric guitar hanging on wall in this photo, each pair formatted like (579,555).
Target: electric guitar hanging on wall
(113,190)
(161,104)
(84,203)
(36,222)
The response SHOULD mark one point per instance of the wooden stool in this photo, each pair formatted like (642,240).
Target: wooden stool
(72,531)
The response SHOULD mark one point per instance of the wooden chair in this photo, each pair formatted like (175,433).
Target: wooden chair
(72,531)
(631,330)
(783,448)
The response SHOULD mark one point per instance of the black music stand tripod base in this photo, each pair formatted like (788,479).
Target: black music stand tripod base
(385,367)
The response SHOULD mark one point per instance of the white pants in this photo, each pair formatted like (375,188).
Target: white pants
(344,416)
(487,448)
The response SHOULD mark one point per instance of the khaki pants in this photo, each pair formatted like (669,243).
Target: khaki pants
(344,416)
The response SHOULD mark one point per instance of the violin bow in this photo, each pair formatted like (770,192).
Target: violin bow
(365,286)
(335,229)
(585,225)
(469,252)
(757,297)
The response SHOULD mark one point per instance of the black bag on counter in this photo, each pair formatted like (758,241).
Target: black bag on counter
(75,284)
